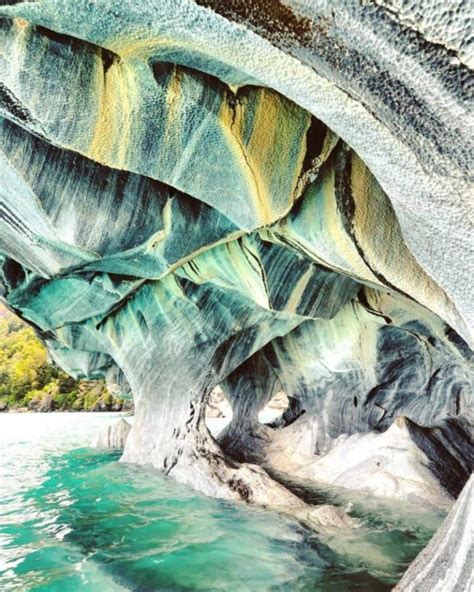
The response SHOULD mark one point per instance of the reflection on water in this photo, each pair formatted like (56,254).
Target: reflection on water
(73,519)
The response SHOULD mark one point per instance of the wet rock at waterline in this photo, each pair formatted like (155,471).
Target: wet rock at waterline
(405,462)
(263,199)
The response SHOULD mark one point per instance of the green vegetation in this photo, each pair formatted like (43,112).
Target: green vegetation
(27,380)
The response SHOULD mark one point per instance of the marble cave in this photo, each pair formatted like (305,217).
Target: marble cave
(253,198)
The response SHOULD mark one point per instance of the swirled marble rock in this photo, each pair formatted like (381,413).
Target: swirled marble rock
(266,196)
(446,563)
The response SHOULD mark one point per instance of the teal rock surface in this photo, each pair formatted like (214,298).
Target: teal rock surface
(259,197)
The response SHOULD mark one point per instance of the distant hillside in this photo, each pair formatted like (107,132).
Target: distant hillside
(28,381)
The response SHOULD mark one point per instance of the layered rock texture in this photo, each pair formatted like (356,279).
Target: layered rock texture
(114,436)
(446,563)
(262,197)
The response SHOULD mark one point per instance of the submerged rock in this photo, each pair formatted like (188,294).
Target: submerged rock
(113,436)
(326,516)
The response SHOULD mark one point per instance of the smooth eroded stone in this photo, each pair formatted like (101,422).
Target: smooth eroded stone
(113,436)
(446,563)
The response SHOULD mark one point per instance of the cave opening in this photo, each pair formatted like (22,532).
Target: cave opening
(218,412)
(274,409)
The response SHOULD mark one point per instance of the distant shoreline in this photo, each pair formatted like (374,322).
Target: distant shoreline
(128,412)
(29,383)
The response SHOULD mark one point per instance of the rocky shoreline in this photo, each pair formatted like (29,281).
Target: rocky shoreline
(26,410)
(101,407)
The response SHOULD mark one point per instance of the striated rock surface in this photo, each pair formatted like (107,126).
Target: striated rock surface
(263,197)
(113,436)
(446,563)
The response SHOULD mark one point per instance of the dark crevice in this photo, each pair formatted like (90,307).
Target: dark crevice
(314,143)
(14,106)
(76,45)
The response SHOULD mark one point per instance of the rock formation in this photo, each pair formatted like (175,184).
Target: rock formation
(113,436)
(266,196)
(446,563)
(408,462)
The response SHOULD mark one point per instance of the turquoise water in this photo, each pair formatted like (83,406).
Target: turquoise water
(73,518)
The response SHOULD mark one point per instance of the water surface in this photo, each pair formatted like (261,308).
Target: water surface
(74,519)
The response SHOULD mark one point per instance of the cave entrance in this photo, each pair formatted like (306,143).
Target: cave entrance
(274,409)
(218,413)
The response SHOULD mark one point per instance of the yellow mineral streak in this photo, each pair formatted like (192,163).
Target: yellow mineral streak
(300,182)
(272,143)
(336,231)
(20,24)
(172,129)
(379,235)
(298,290)
(360,185)
(265,135)
(232,118)
(173,93)
(21,31)
(138,48)
(117,97)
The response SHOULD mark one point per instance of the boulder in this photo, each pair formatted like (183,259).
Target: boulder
(46,404)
